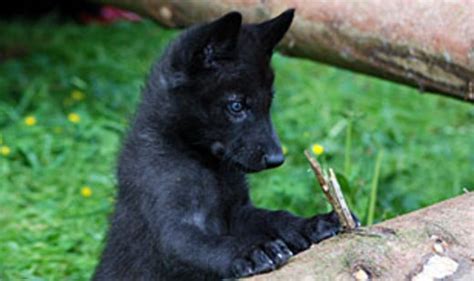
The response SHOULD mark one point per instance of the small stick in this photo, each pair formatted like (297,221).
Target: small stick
(332,190)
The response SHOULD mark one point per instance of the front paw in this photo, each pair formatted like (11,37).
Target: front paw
(264,258)
(325,226)
(322,227)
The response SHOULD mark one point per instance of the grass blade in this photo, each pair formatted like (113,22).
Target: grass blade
(373,189)
(347,152)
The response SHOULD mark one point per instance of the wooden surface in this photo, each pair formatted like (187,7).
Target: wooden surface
(403,248)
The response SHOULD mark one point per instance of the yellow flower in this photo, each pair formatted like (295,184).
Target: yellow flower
(86,191)
(77,95)
(284,149)
(74,118)
(317,149)
(5,150)
(30,121)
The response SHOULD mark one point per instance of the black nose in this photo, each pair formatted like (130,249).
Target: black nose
(274,160)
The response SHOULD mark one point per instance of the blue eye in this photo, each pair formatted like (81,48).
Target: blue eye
(235,106)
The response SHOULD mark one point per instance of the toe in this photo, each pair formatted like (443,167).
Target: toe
(278,252)
(242,268)
(261,261)
(322,227)
(317,237)
(296,242)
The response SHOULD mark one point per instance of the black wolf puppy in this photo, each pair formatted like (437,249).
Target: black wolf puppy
(183,211)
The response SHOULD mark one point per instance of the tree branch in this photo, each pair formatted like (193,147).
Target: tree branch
(331,188)
(425,44)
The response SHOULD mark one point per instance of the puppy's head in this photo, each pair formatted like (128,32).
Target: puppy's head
(222,86)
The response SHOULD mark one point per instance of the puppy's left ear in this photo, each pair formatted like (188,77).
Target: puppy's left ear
(218,39)
(272,31)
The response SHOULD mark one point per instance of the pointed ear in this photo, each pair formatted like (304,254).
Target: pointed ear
(272,31)
(225,28)
(218,39)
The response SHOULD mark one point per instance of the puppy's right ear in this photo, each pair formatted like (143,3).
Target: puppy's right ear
(216,41)
(273,30)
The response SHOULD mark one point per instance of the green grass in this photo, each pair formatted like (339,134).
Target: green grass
(374,188)
(49,231)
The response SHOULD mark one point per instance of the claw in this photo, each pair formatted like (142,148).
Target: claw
(261,261)
(278,251)
(242,268)
(270,256)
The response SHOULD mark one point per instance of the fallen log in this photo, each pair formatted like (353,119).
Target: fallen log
(425,44)
(429,244)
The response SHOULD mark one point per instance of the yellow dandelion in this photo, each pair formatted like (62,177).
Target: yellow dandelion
(5,150)
(86,191)
(317,149)
(77,95)
(284,149)
(30,121)
(74,118)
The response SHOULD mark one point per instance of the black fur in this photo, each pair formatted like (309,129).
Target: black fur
(183,211)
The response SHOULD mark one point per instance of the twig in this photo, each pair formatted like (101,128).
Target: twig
(332,190)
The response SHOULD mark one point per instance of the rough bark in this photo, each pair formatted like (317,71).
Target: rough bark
(437,241)
(425,44)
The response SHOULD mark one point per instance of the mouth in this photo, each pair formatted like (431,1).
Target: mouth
(219,151)
(246,169)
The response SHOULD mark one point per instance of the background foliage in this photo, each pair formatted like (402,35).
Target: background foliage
(67,92)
